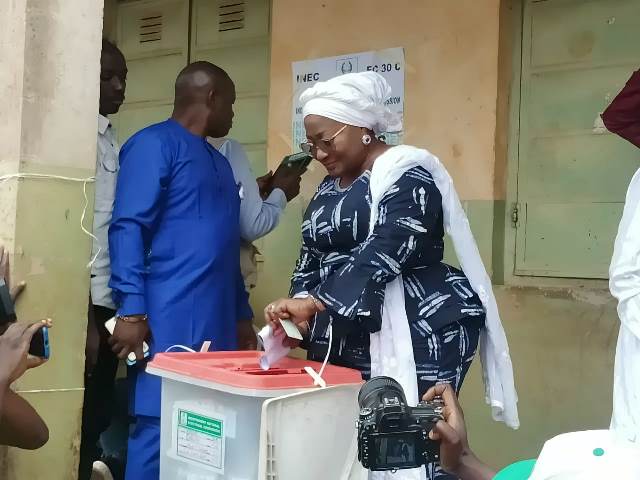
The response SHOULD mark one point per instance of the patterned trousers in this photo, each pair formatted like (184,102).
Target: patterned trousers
(445,357)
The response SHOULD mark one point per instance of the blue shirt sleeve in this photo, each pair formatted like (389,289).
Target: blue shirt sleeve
(257,217)
(145,163)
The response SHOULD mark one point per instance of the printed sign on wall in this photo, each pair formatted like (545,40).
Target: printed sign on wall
(389,63)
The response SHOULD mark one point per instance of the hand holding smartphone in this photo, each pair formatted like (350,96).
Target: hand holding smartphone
(297,162)
(39,346)
(289,173)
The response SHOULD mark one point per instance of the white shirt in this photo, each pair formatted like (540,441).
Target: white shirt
(257,217)
(107,166)
(624,283)
(590,455)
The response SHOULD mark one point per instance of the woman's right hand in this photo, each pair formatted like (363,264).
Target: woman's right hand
(299,310)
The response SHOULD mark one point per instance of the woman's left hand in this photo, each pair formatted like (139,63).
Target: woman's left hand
(298,310)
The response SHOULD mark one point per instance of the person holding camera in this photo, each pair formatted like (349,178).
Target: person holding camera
(20,424)
(456,457)
(585,455)
(370,290)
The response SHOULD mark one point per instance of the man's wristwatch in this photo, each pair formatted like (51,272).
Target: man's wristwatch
(132,318)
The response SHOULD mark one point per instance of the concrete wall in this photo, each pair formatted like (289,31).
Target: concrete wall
(562,344)
(459,69)
(451,81)
(451,53)
(48,120)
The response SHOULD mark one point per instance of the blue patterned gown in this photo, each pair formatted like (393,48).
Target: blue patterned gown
(348,270)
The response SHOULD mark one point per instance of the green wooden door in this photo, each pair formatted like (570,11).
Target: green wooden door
(154,37)
(572,174)
(235,36)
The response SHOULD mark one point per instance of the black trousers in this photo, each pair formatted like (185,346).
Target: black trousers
(99,398)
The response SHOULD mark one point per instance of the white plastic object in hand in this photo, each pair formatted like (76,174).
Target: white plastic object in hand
(290,329)
(110,325)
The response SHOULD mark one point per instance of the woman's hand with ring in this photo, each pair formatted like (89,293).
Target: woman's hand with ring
(299,310)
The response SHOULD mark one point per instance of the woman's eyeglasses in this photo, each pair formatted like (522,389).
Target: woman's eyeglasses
(325,144)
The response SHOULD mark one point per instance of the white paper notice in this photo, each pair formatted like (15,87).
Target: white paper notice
(200,439)
(389,63)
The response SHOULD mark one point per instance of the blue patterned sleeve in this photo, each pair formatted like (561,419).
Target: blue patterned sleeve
(407,213)
(306,276)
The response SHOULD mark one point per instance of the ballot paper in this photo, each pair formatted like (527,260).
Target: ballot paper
(272,345)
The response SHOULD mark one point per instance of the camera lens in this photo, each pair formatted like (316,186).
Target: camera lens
(374,390)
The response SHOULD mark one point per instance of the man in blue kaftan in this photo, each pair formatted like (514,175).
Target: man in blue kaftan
(174,244)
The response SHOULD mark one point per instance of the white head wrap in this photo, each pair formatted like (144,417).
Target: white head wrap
(357,99)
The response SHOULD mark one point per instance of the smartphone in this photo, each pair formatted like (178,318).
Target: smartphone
(298,161)
(110,325)
(40,344)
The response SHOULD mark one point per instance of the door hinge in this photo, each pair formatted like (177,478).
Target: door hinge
(515,212)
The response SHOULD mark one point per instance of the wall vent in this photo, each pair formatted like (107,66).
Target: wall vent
(231,16)
(150,29)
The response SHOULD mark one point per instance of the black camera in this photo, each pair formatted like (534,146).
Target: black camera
(391,434)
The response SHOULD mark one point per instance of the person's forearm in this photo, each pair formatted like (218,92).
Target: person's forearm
(20,424)
(127,267)
(259,218)
(471,468)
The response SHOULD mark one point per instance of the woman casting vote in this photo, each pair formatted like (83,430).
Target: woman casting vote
(370,284)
